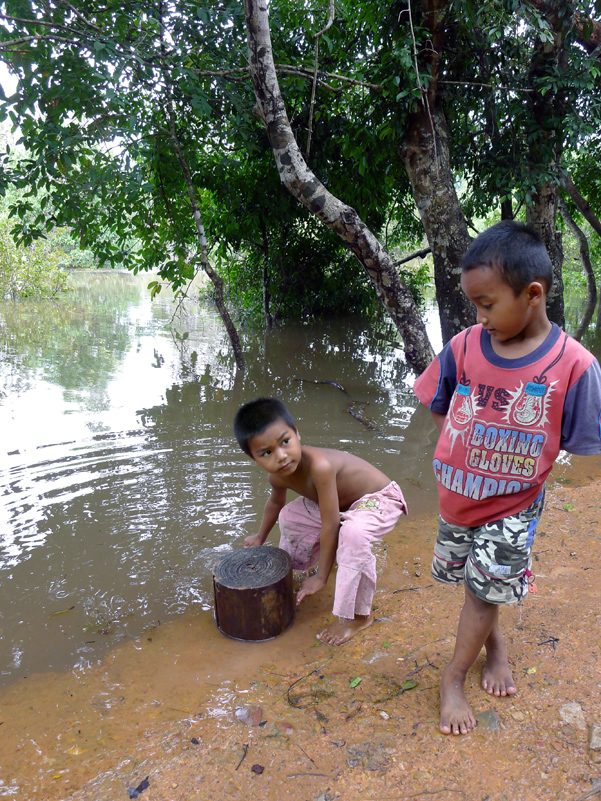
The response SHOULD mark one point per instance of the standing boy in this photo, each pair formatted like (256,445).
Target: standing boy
(506,395)
(345,504)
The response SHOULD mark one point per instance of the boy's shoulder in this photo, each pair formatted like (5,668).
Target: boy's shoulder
(316,458)
(323,458)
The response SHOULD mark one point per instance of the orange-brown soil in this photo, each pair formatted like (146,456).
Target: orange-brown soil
(165,707)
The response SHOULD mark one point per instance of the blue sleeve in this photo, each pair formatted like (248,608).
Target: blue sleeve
(581,422)
(447,380)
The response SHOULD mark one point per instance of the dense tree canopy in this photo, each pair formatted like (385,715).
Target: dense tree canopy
(144,132)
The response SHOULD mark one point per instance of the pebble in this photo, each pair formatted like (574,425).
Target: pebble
(594,738)
(375,657)
(370,756)
(594,744)
(518,716)
(574,715)
(488,720)
(249,715)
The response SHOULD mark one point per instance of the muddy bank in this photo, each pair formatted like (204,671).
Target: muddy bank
(165,707)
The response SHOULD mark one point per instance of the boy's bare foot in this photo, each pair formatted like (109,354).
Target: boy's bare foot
(342,629)
(456,716)
(496,675)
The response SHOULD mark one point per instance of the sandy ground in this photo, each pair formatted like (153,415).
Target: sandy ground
(202,716)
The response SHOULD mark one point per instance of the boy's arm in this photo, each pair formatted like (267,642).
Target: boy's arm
(273,507)
(324,480)
(438,420)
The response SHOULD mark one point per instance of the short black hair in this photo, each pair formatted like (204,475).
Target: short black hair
(516,250)
(254,417)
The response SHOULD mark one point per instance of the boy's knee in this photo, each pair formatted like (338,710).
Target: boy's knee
(489,589)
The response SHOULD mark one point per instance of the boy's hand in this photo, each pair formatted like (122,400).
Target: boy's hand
(310,586)
(255,539)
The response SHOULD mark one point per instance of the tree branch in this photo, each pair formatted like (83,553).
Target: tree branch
(581,204)
(585,258)
(80,16)
(419,254)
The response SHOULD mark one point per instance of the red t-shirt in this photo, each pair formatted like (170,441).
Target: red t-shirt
(506,420)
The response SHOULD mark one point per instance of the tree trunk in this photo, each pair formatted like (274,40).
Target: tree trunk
(426,159)
(204,253)
(308,190)
(585,258)
(426,156)
(266,294)
(547,112)
(541,216)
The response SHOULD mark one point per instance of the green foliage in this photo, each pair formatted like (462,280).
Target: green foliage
(32,271)
(522,109)
(128,201)
(99,90)
(26,209)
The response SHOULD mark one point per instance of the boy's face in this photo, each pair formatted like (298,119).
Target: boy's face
(503,314)
(277,448)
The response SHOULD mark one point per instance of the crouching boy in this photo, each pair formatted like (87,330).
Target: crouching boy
(345,505)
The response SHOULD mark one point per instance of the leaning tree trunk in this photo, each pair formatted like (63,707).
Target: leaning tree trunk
(308,190)
(426,156)
(585,258)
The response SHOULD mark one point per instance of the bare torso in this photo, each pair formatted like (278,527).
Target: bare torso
(354,476)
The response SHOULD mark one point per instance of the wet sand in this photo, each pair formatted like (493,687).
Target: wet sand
(164,707)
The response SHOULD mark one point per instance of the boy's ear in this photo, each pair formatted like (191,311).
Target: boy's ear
(536,293)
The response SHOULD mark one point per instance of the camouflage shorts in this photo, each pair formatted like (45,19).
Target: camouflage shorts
(494,559)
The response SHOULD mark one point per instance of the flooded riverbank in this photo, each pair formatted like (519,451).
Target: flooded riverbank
(200,716)
(121,486)
(120,480)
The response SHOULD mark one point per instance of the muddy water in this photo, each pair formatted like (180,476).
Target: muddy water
(120,482)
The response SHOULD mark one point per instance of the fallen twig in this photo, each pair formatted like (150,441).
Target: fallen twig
(419,668)
(243,756)
(417,795)
(307,755)
(294,775)
(313,381)
(440,639)
(413,589)
(302,678)
(551,641)
(591,794)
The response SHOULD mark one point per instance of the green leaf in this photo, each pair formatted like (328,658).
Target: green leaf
(408,685)
(355,682)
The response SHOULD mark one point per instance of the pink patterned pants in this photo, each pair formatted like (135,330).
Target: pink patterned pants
(366,521)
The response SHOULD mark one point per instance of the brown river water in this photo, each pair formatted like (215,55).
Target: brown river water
(122,486)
